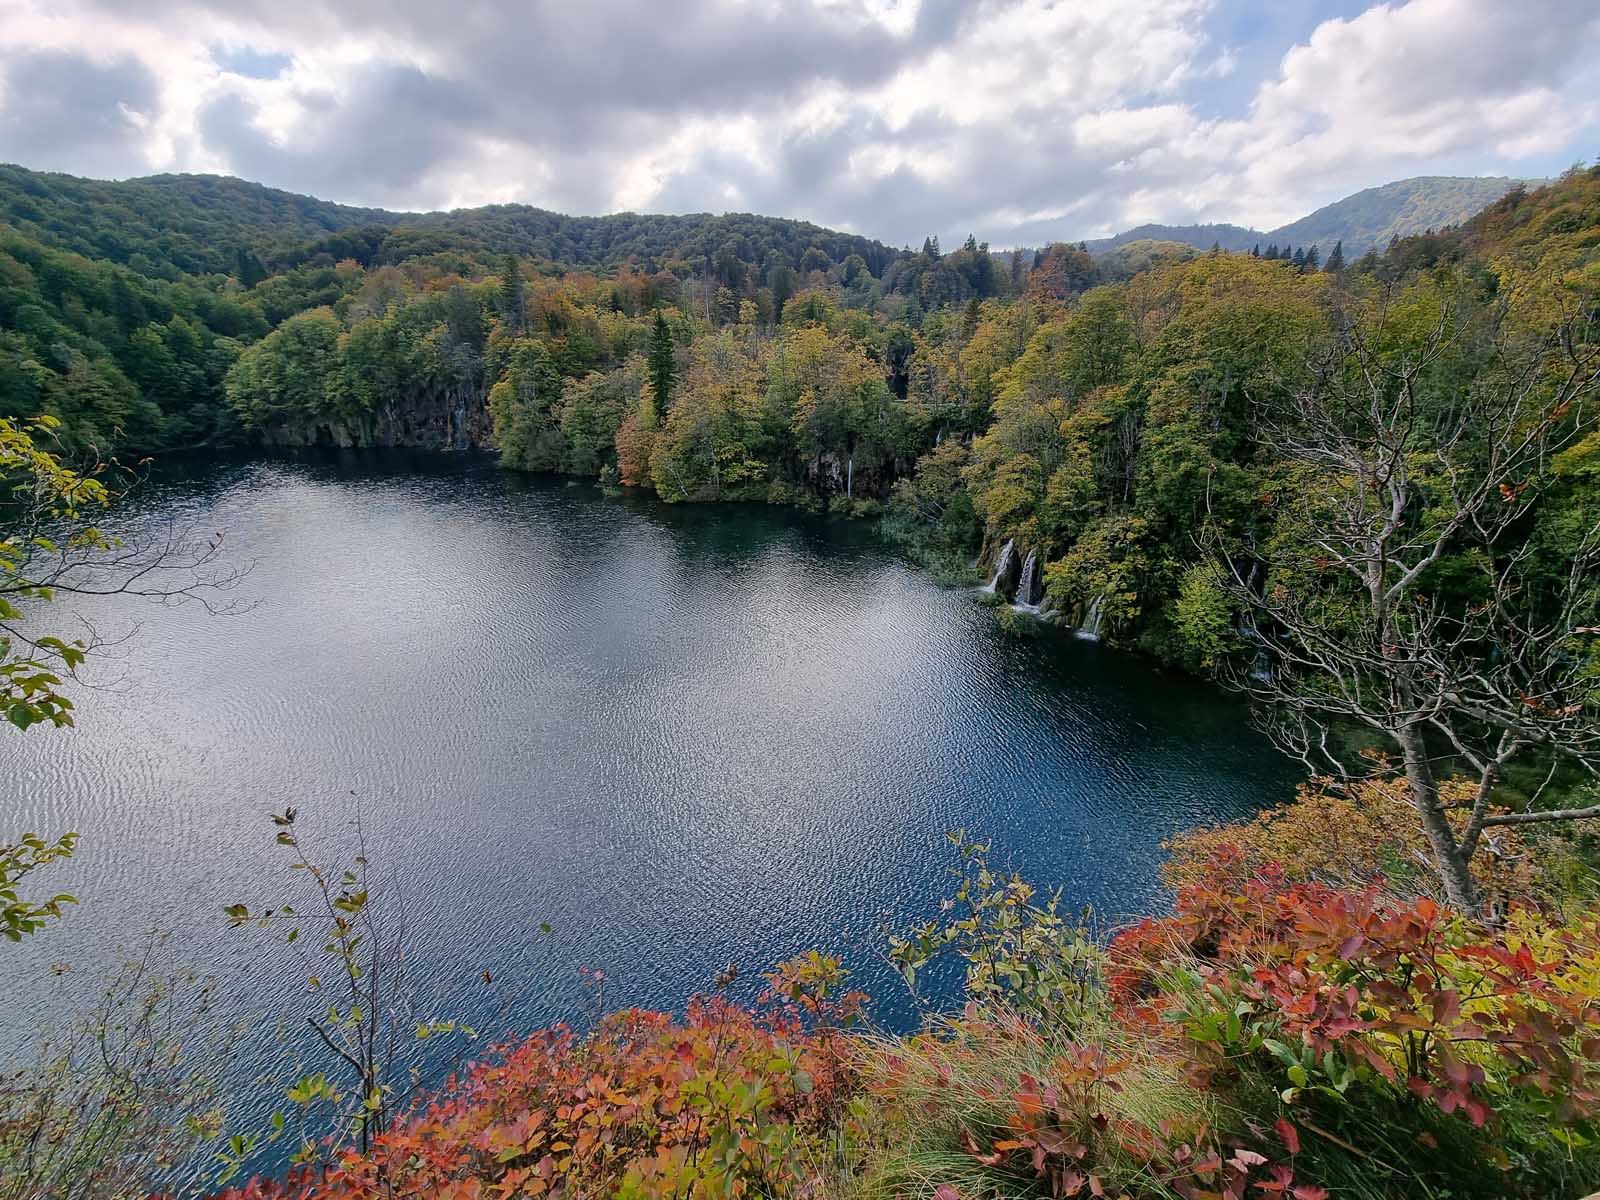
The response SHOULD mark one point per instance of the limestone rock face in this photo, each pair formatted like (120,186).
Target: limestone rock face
(423,422)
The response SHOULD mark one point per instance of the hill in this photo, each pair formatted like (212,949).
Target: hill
(1368,220)
(165,226)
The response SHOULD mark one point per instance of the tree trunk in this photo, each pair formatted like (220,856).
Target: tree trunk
(1447,857)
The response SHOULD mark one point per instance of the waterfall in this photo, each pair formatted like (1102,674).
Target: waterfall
(1029,592)
(458,427)
(1093,617)
(1005,570)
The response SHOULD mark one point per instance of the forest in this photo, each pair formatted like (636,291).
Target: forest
(1096,410)
(1363,489)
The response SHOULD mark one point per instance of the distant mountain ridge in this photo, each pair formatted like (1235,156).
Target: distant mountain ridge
(166,225)
(1364,221)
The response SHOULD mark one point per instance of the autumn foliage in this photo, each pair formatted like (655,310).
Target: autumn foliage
(1268,1039)
(723,1102)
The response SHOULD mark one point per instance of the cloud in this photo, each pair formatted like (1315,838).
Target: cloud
(1020,120)
(386,128)
(65,112)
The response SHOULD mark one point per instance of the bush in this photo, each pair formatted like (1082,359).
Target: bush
(723,1103)
(128,1096)
(1365,833)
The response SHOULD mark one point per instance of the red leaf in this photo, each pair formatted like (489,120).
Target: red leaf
(1446,1007)
(1290,1136)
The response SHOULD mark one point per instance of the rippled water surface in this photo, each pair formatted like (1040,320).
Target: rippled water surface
(679,736)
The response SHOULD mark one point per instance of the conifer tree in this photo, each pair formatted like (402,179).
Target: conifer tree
(248,267)
(663,362)
(1336,259)
(513,299)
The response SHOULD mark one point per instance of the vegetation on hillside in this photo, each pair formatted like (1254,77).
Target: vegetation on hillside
(1369,219)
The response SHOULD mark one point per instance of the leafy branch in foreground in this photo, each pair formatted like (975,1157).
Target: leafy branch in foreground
(368,1017)
(54,547)
(19,917)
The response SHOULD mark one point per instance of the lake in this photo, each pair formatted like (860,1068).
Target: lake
(679,736)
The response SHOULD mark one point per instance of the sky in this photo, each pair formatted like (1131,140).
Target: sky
(1022,121)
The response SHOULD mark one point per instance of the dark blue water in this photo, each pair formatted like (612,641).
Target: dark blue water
(680,736)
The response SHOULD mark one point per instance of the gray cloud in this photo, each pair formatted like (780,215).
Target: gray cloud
(394,126)
(64,112)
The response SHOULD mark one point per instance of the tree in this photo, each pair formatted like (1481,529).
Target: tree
(513,301)
(1402,591)
(663,363)
(1335,262)
(247,268)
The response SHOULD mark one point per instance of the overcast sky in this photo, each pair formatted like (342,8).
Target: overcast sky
(1020,120)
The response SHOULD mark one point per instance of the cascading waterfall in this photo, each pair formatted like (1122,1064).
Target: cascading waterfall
(458,424)
(1005,570)
(1093,617)
(1261,666)
(1029,591)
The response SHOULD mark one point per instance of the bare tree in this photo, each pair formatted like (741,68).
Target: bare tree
(1401,462)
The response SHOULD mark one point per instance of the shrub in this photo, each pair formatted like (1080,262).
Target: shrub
(724,1103)
(129,1095)
(1419,1047)
(1365,833)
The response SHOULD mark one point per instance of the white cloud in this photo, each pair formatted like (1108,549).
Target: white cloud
(1020,120)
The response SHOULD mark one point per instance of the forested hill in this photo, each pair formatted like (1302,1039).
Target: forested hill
(165,226)
(1368,220)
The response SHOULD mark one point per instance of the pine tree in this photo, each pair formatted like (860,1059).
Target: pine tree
(248,268)
(1255,251)
(663,362)
(969,319)
(1336,259)
(513,299)
(1313,259)
(1272,250)
(1299,260)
